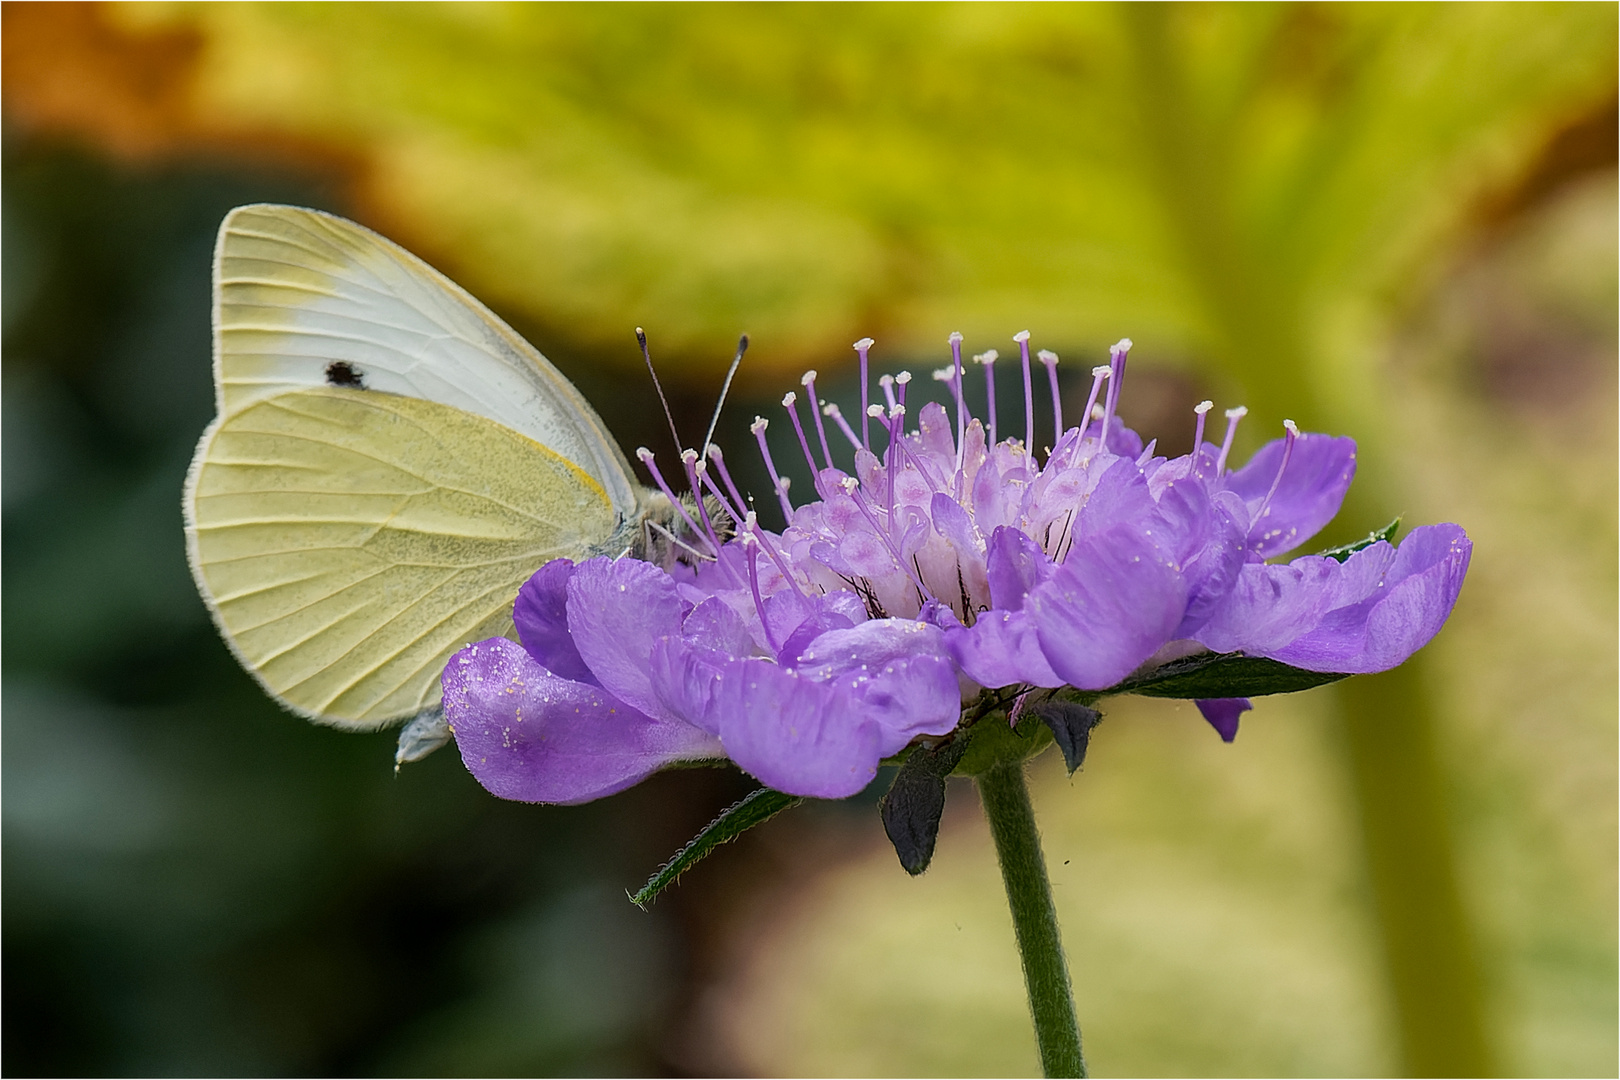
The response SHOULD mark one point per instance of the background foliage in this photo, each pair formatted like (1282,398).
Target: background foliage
(1395,221)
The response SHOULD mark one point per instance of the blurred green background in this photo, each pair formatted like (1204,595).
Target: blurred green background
(1397,222)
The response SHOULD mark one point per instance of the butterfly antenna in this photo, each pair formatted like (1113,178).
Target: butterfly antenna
(641,339)
(736,362)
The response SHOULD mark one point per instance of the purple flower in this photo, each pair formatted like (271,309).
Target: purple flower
(941,563)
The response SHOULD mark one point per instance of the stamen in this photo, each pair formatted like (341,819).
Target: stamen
(886,384)
(645,456)
(808,381)
(1116,365)
(708,481)
(749,543)
(788,400)
(1232,418)
(1050,359)
(988,359)
(1098,374)
(862,347)
(777,483)
(719,460)
(961,403)
(1290,436)
(831,409)
(875,412)
(901,381)
(694,469)
(1022,337)
(1201,410)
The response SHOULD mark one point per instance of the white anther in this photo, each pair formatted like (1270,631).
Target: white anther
(875,411)
(759,425)
(1098,412)
(988,357)
(829,409)
(903,378)
(885,380)
(1021,337)
(688,456)
(1122,345)
(750,522)
(1237,413)
(865,343)
(786,482)
(956,337)
(849,484)
(789,398)
(643,454)
(1203,407)
(1101,371)
(808,377)
(1293,428)
(714,452)
(897,411)
(1047,357)
(944,374)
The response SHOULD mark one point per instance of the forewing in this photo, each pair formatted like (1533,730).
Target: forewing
(298,292)
(348,541)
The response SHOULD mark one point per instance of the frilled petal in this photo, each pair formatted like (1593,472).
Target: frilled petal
(528,735)
(1403,613)
(1366,614)
(793,733)
(1223,714)
(898,673)
(541,615)
(1312,488)
(1110,606)
(617,609)
(1001,648)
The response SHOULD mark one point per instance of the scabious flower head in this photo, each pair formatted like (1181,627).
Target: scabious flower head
(931,564)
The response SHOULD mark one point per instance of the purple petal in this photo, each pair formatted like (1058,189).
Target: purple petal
(1014,565)
(617,609)
(1223,713)
(1407,610)
(541,615)
(1319,473)
(1271,606)
(952,522)
(898,673)
(1109,607)
(794,734)
(1000,649)
(1121,497)
(526,734)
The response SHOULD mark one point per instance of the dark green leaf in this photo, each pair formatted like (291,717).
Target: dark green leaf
(1223,675)
(756,808)
(912,807)
(1344,551)
(1071,724)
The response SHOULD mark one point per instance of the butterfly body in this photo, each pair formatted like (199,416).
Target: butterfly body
(389,463)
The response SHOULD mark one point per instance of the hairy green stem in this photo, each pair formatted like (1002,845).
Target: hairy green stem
(1029,894)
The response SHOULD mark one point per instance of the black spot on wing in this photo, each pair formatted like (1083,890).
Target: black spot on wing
(343,373)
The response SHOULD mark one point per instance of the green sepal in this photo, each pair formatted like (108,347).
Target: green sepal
(1344,551)
(992,741)
(755,808)
(1222,675)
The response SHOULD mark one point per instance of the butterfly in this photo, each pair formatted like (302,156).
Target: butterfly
(389,463)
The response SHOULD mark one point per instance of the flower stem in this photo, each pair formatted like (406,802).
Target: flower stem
(1029,894)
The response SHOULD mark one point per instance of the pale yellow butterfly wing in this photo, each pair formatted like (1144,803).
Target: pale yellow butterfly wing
(297,291)
(348,541)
